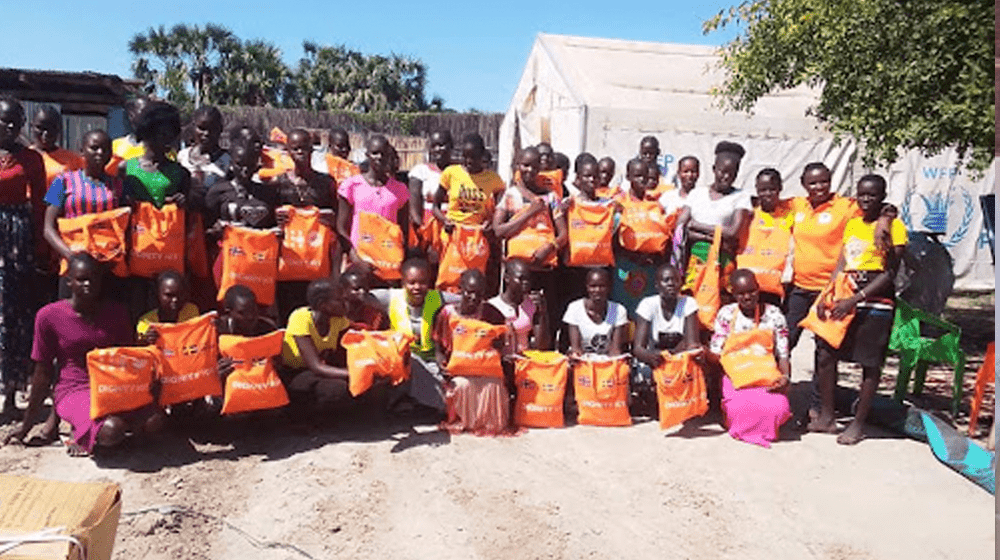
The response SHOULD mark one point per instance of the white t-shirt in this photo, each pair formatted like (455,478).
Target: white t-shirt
(212,171)
(649,309)
(595,337)
(672,201)
(716,212)
(430,177)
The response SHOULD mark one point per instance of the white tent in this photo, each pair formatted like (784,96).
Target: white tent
(604,95)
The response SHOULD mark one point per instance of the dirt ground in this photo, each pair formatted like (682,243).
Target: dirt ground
(392,488)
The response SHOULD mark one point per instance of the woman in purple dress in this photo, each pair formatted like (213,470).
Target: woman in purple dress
(64,332)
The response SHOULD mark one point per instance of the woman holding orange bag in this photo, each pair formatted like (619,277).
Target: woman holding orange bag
(871,271)
(667,321)
(475,403)
(750,340)
(425,178)
(64,332)
(594,324)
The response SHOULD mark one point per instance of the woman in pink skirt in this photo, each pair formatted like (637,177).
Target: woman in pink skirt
(478,404)
(749,333)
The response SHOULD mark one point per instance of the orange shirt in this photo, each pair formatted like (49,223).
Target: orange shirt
(59,161)
(819,237)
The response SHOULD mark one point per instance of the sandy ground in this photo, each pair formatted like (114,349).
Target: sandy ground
(394,489)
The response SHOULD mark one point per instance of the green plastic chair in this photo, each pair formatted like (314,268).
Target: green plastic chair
(916,351)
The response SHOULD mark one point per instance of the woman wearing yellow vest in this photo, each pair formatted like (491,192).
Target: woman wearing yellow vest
(412,310)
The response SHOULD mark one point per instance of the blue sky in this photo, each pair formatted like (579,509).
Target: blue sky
(474,51)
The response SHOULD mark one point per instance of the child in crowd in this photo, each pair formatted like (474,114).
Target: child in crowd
(172,295)
(766,246)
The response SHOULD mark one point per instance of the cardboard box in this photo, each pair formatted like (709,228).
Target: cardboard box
(88,511)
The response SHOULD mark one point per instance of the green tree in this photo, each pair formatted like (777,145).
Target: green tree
(252,73)
(895,74)
(335,77)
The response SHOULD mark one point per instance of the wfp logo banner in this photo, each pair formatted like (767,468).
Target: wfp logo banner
(938,195)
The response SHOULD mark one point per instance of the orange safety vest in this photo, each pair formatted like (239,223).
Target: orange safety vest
(537,233)
(644,227)
(590,229)
(681,392)
(601,386)
(158,239)
(101,234)
(706,284)
(380,244)
(249,257)
(190,359)
(120,379)
(831,330)
(254,383)
(765,253)
(305,247)
(748,357)
(472,351)
(540,378)
(372,354)
(197,246)
(467,248)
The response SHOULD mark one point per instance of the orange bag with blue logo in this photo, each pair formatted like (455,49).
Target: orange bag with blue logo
(372,354)
(120,379)
(158,239)
(305,247)
(537,233)
(590,229)
(467,248)
(254,383)
(644,227)
(833,331)
(380,244)
(250,258)
(681,393)
(601,387)
(190,359)
(706,284)
(765,253)
(540,378)
(473,353)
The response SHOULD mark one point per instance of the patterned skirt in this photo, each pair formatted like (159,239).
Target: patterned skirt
(17,298)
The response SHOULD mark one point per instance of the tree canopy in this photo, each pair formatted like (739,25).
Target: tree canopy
(188,65)
(895,74)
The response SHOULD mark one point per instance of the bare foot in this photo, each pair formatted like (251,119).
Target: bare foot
(852,435)
(50,430)
(73,449)
(823,425)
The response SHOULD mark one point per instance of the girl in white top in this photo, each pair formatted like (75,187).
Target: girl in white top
(426,177)
(594,324)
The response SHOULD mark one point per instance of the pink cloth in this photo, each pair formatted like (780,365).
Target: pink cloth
(384,201)
(62,335)
(753,414)
(477,404)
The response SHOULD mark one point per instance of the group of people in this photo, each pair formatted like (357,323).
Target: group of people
(646,268)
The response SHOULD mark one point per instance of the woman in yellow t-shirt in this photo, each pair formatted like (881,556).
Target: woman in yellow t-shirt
(312,338)
(468,191)
(173,305)
(871,270)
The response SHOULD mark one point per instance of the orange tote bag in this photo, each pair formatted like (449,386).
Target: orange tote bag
(537,233)
(644,227)
(765,253)
(120,379)
(380,244)
(748,358)
(197,246)
(706,284)
(601,386)
(680,389)
(190,359)
(467,248)
(305,248)
(590,230)
(158,239)
(540,378)
(831,330)
(101,234)
(250,257)
(473,353)
(372,354)
(254,383)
